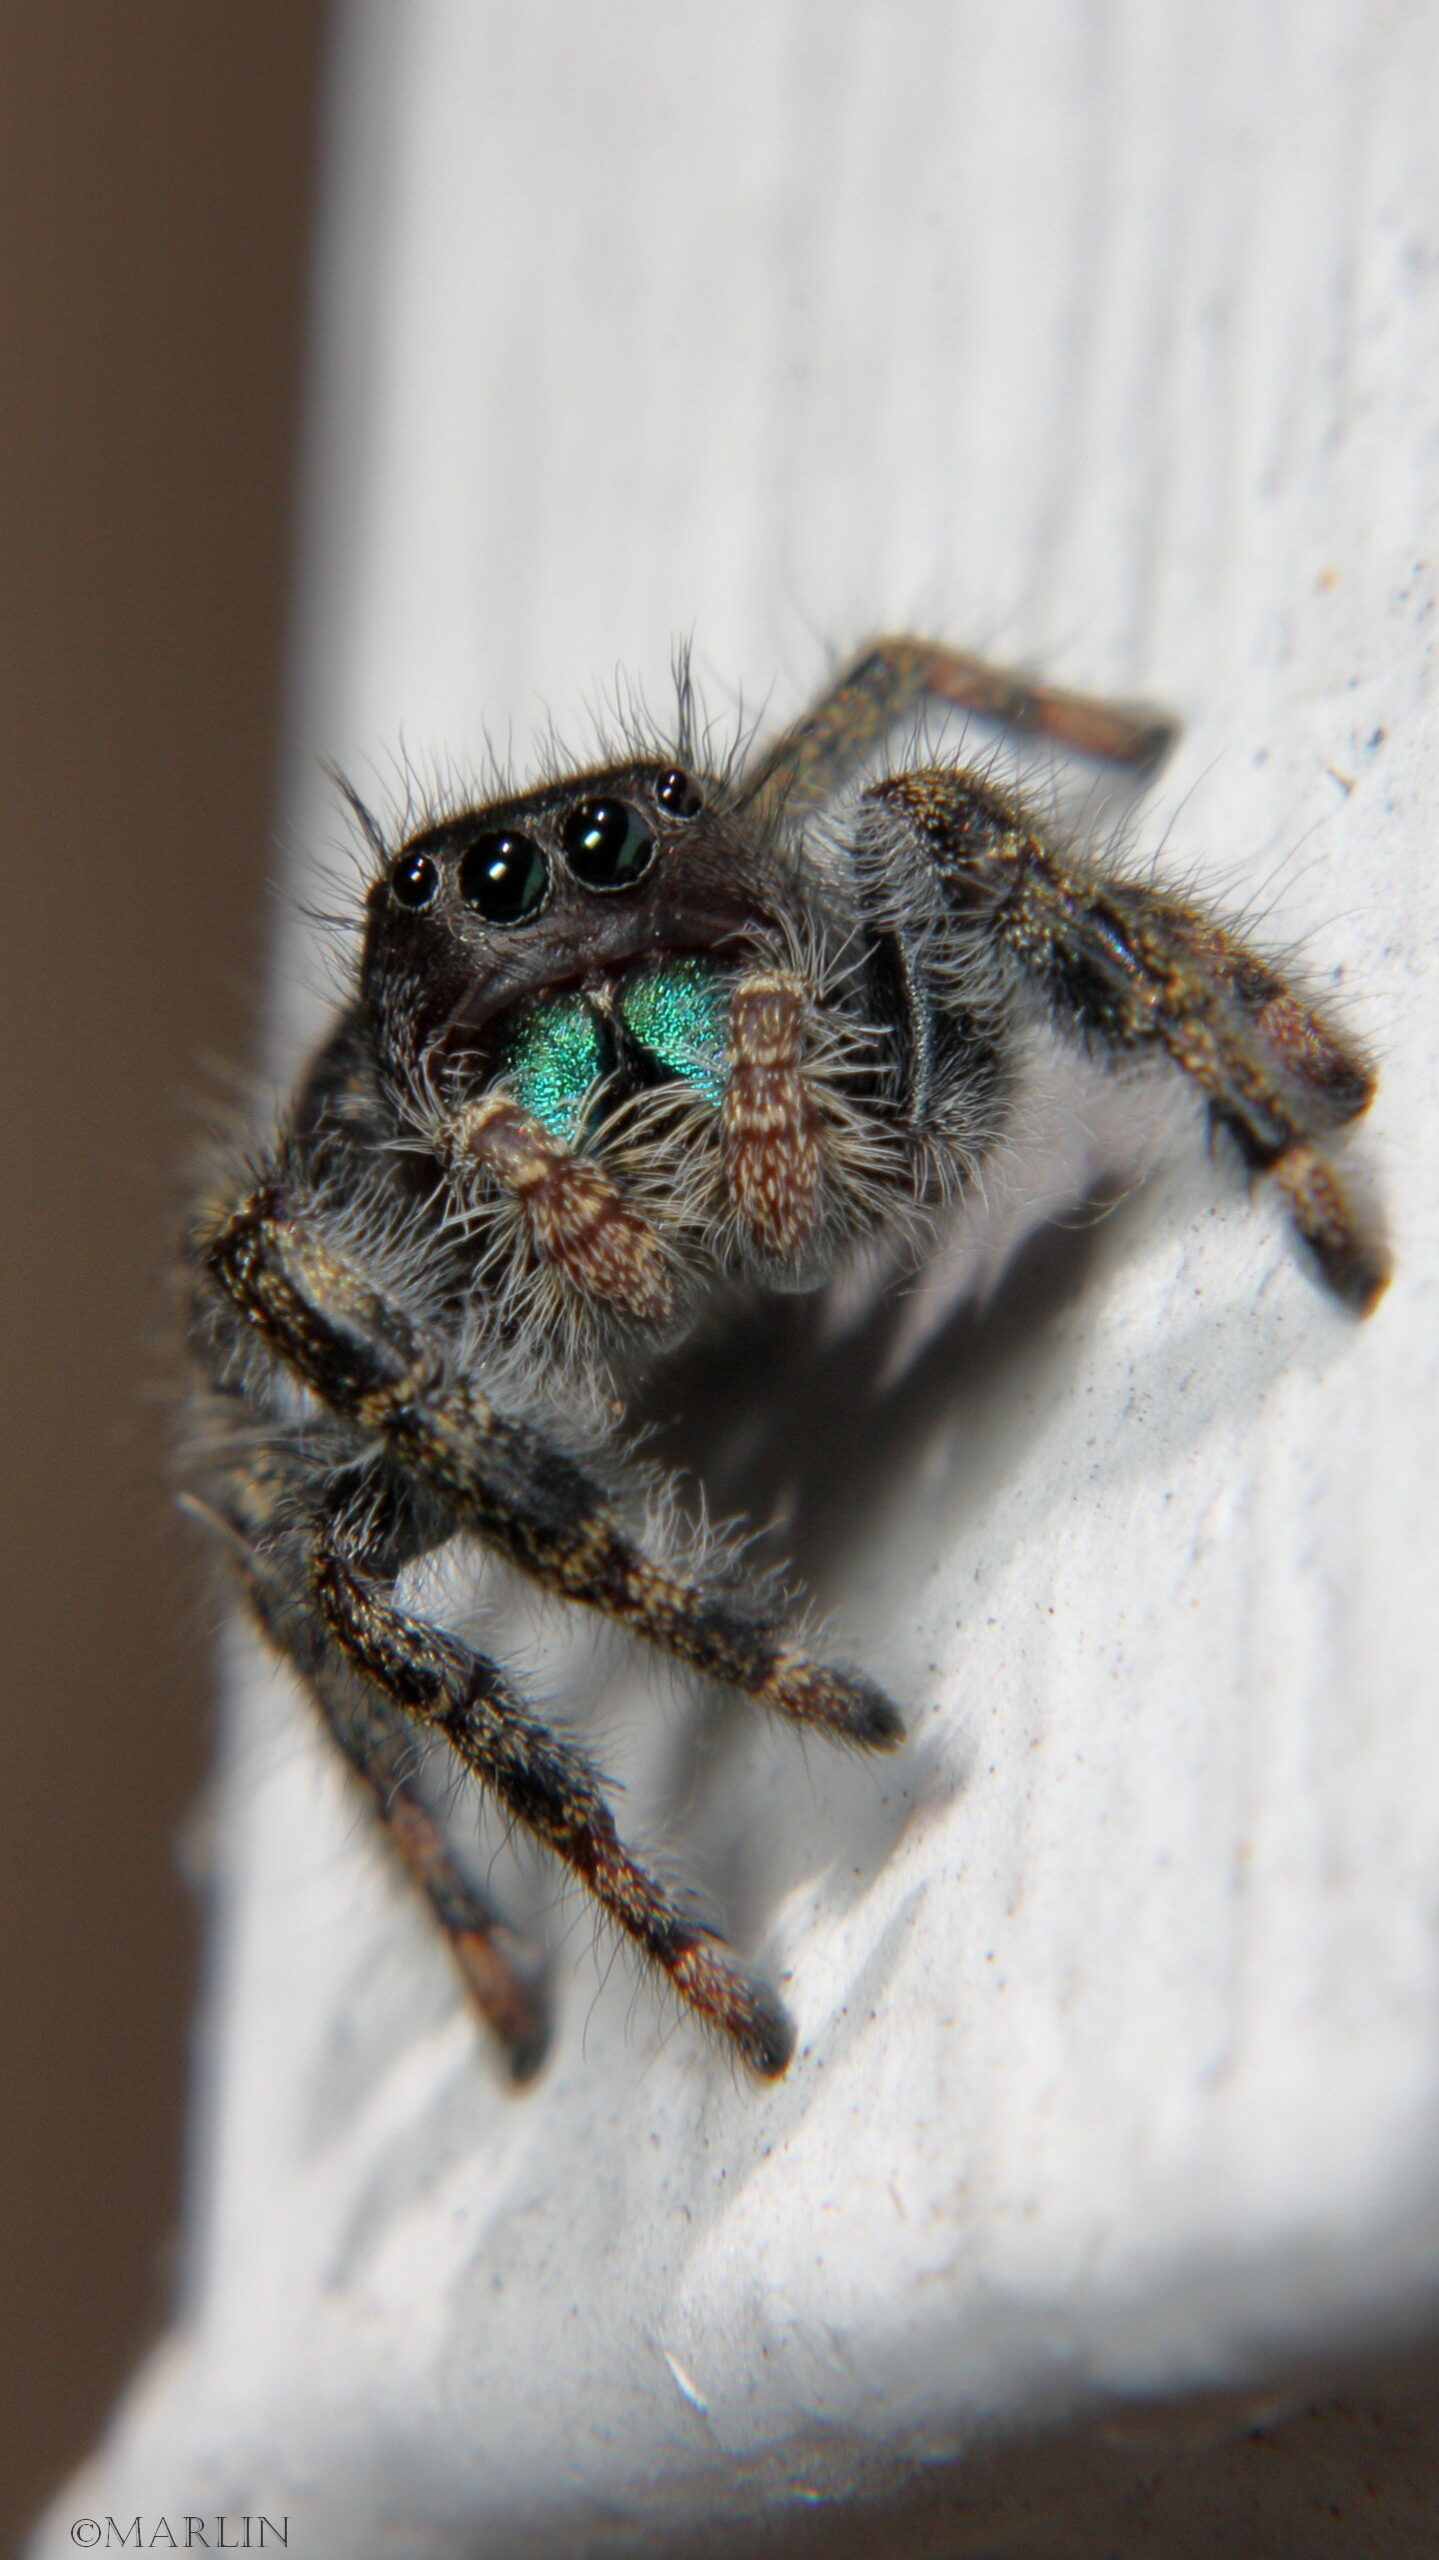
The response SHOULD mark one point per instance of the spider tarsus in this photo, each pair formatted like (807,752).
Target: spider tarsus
(746,2012)
(1152,740)
(508,2004)
(843,1704)
(1350,1263)
(769,2045)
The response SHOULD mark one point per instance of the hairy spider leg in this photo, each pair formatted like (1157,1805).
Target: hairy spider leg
(380,1748)
(378,1672)
(548,1787)
(487,1953)
(273,1501)
(809,762)
(369,1363)
(1127,966)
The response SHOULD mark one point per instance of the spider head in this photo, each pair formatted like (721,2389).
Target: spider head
(602,879)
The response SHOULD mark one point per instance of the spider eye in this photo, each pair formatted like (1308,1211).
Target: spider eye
(607,846)
(415,880)
(677,795)
(504,877)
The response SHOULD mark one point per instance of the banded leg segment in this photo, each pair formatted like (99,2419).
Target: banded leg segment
(534,1505)
(549,1788)
(369,1363)
(276,1514)
(376,1744)
(1129,967)
(897,675)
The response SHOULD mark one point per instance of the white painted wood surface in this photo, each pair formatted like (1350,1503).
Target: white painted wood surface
(1107,337)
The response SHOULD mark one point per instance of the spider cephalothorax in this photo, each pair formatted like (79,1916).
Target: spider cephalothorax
(616,1045)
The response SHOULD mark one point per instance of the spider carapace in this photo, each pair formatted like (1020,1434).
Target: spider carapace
(614,1046)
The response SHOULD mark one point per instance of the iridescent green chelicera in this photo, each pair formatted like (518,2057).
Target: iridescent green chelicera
(555,1052)
(679,1014)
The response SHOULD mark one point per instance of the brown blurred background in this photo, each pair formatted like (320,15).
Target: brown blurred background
(155,191)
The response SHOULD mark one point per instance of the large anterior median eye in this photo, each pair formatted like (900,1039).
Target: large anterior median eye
(504,877)
(606,845)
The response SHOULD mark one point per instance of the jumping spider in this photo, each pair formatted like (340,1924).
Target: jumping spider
(614,1045)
